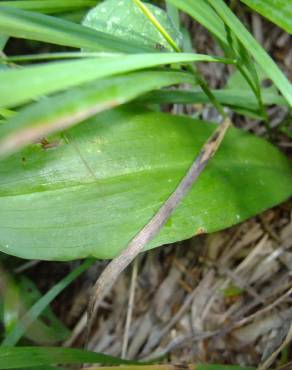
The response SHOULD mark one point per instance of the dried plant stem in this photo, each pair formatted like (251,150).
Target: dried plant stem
(151,229)
(130,308)
(274,355)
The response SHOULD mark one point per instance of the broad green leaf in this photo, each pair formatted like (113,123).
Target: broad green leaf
(122,18)
(49,6)
(35,26)
(57,76)
(107,177)
(41,305)
(67,109)
(20,357)
(256,50)
(278,11)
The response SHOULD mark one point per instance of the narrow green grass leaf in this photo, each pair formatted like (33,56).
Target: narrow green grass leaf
(34,26)
(47,329)
(49,6)
(57,56)
(20,357)
(23,324)
(103,181)
(256,50)
(64,110)
(277,11)
(204,14)
(230,97)
(52,77)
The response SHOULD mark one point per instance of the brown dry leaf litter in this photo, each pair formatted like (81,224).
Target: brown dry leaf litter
(224,297)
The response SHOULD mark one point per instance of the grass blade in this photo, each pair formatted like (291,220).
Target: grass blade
(35,311)
(49,6)
(277,11)
(256,50)
(52,77)
(233,98)
(204,14)
(34,26)
(64,110)
(20,357)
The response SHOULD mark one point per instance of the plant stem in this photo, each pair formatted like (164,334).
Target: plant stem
(110,274)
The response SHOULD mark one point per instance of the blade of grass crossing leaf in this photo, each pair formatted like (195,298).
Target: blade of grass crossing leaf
(192,69)
(64,110)
(20,357)
(42,79)
(157,24)
(13,337)
(257,51)
(52,191)
(29,25)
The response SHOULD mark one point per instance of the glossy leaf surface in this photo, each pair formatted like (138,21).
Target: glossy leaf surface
(107,177)
(122,18)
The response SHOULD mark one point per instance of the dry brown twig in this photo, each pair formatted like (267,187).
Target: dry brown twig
(274,355)
(110,274)
(130,307)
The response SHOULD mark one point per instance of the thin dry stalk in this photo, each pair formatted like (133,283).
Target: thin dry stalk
(110,274)
(130,308)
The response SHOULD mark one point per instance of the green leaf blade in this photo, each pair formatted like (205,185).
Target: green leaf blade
(34,26)
(52,77)
(96,190)
(20,357)
(68,109)
(256,50)
(277,11)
